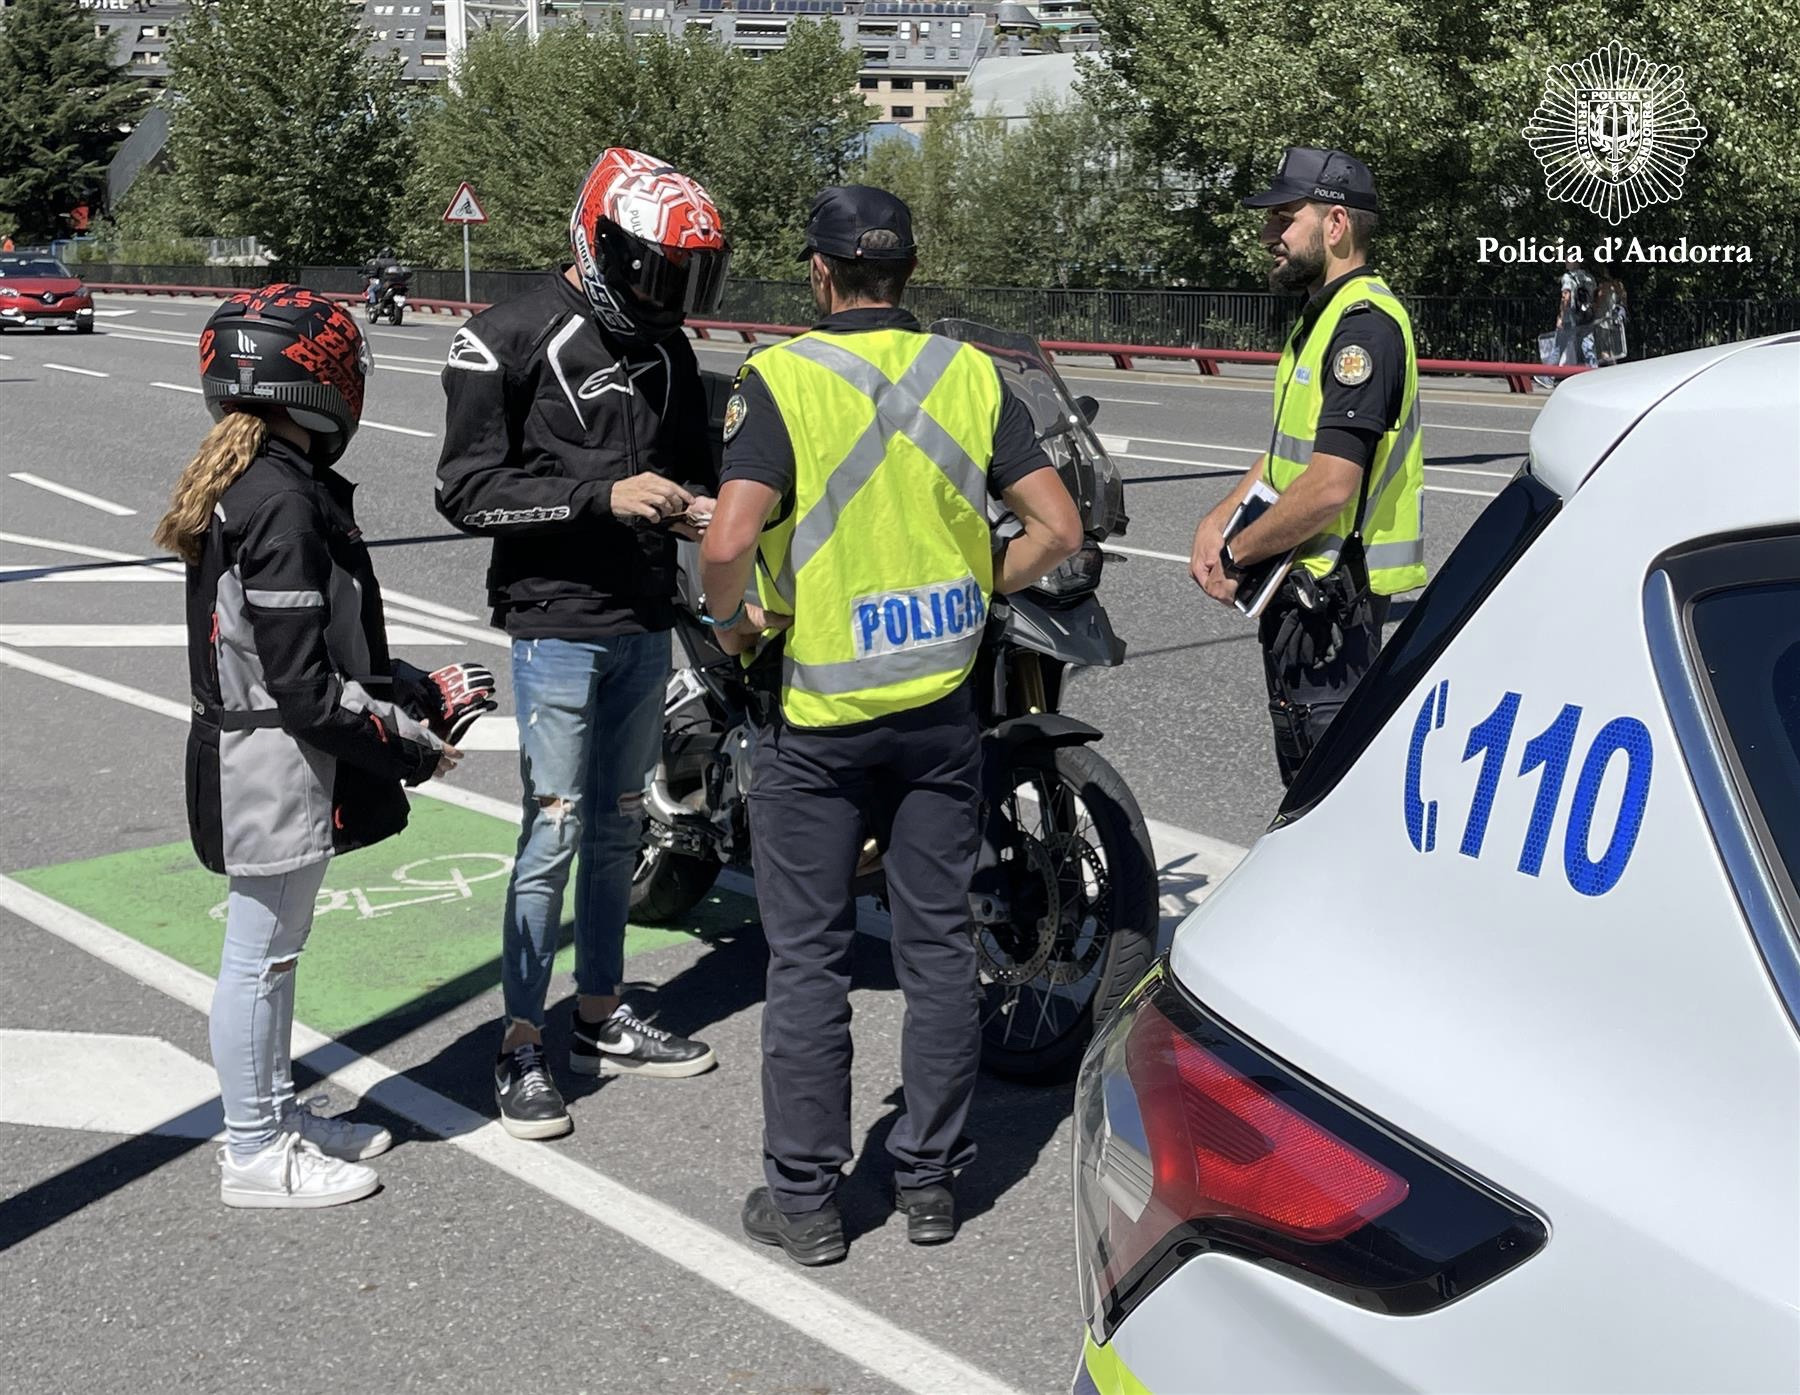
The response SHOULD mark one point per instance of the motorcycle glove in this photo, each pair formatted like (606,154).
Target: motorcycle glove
(447,700)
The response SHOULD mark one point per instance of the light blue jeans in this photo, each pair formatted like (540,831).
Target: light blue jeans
(590,733)
(267,920)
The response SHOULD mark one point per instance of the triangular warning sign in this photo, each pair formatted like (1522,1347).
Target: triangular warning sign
(464,208)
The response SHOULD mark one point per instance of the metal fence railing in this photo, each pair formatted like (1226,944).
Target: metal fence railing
(1488,328)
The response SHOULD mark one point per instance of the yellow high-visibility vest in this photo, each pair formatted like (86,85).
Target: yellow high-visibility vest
(884,561)
(1393,513)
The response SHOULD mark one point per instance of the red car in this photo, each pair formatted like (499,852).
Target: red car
(39,290)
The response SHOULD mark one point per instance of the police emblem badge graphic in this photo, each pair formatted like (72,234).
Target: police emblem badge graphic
(735,412)
(1614,132)
(1353,365)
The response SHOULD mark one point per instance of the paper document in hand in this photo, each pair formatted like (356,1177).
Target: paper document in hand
(1257,582)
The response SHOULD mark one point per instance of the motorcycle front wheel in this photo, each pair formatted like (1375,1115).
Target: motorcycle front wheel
(399,317)
(666,885)
(1084,896)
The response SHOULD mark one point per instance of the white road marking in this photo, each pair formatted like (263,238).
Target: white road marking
(1471,493)
(398,430)
(386,367)
(175,314)
(93,501)
(85,372)
(1125,445)
(1130,401)
(102,687)
(390,334)
(1484,430)
(131,574)
(498,731)
(103,554)
(180,387)
(102,1083)
(1175,460)
(1459,470)
(451,627)
(425,607)
(7,357)
(114,314)
(1144,552)
(150,636)
(812,1310)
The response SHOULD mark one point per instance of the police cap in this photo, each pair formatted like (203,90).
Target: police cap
(849,221)
(1328,176)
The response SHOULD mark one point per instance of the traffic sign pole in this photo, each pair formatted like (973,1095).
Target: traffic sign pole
(465,208)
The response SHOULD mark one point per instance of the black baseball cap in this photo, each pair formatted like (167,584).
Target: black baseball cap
(1328,176)
(842,217)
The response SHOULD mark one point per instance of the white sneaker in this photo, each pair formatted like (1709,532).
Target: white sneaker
(291,1174)
(337,1137)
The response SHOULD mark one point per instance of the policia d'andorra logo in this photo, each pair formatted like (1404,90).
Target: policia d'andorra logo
(1614,132)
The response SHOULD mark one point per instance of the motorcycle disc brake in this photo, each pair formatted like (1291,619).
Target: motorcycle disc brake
(1011,968)
(1079,866)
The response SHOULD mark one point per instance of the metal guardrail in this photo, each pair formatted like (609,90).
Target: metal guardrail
(1519,376)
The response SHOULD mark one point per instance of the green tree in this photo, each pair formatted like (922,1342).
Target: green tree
(1435,98)
(64,108)
(1053,200)
(527,120)
(286,128)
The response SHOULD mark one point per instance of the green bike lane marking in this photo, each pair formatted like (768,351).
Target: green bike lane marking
(411,925)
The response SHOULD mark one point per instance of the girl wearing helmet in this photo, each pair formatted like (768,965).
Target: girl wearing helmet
(303,729)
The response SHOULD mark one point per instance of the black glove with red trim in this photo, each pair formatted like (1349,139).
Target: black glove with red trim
(449,700)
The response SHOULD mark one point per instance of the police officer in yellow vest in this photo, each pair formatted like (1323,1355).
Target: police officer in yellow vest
(859,462)
(1345,454)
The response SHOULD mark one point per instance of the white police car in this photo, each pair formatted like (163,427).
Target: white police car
(1482,1071)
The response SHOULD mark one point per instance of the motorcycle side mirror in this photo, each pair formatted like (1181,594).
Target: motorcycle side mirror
(1089,408)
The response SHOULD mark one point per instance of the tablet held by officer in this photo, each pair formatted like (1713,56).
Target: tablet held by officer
(859,462)
(1346,455)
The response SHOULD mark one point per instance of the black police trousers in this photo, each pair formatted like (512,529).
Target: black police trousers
(1313,660)
(912,780)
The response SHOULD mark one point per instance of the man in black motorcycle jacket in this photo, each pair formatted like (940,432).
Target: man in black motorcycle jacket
(575,439)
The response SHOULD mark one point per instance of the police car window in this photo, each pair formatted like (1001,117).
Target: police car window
(1748,638)
(1496,541)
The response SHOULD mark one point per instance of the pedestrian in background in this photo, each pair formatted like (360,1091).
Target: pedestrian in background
(859,461)
(1346,455)
(303,728)
(574,438)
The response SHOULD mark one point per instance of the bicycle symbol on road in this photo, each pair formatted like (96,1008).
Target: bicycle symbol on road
(450,877)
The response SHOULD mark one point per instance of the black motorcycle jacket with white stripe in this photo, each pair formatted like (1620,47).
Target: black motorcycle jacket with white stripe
(545,412)
(291,754)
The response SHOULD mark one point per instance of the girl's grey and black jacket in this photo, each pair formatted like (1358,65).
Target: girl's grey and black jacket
(290,756)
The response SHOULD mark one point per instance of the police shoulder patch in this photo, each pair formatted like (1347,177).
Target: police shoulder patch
(735,412)
(1353,365)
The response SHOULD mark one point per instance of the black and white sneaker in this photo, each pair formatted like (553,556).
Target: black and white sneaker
(624,1044)
(530,1104)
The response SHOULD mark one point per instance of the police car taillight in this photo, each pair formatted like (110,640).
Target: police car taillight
(1189,1139)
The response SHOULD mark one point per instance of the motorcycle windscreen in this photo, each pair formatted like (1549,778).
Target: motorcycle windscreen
(1062,430)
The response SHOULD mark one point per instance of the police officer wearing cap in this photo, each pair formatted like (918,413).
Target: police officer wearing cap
(853,507)
(1345,454)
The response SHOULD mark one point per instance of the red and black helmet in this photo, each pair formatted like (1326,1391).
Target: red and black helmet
(649,245)
(285,346)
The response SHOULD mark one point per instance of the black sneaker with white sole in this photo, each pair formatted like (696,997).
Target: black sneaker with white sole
(530,1104)
(624,1044)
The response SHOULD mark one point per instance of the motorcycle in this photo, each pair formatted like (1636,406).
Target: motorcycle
(390,300)
(1064,902)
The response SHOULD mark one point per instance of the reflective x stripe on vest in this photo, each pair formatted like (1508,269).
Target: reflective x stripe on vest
(884,560)
(1392,522)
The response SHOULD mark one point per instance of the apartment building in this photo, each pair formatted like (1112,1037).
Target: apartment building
(915,53)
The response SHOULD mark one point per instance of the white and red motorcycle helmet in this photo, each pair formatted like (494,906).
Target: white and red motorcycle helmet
(649,245)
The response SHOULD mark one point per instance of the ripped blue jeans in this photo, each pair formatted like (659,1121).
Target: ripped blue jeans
(590,734)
